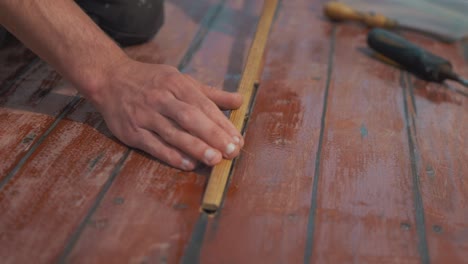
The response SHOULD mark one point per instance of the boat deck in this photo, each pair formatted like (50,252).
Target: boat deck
(346,159)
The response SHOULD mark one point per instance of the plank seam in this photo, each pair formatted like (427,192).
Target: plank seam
(11,80)
(313,208)
(205,25)
(418,202)
(76,235)
(219,175)
(68,108)
(235,161)
(193,48)
(193,250)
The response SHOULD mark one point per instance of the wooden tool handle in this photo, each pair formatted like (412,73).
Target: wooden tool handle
(340,11)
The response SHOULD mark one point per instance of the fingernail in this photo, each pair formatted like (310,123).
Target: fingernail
(230,148)
(210,154)
(236,140)
(186,164)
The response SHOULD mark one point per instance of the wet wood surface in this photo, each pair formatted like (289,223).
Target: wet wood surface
(346,159)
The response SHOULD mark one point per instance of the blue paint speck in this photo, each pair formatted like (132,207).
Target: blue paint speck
(364,131)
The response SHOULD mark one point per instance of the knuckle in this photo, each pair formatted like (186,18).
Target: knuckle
(215,134)
(171,77)
(185,115)
(169,134)
(162,98)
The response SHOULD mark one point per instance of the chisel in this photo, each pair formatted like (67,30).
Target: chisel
(412,58)
(339,11)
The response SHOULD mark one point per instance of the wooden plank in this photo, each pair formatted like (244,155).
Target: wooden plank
(28,107)
(160,205)
(219,176)
(439,121)
(365,207)
(14,58)
(52,193)
(264,218)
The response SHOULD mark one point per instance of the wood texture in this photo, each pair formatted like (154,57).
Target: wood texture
(150,208)
(438,120)
(265,215)
(365,209)
(29,106)
(346,159)
(50,196)
(220,174)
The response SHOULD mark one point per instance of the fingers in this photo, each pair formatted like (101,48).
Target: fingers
(211,110)
(197,123)
(155,146)
(177,137)
(224,100)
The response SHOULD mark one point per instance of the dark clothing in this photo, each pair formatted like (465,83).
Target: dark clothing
(128,22)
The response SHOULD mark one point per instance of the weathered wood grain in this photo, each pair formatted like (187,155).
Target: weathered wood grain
(28,106)
(390,184)
(53,191)
(160,205)
(365,208)
(438,118)
(264,217)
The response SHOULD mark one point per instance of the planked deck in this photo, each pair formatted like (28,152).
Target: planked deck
(346,159)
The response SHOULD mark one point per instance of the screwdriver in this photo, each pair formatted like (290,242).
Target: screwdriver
(412,58)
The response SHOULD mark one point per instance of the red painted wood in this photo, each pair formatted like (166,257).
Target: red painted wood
(160,206)
(27,109)
(365,208)
(265,215)
(365,204)
(441,146)
(53,191)
(32,102)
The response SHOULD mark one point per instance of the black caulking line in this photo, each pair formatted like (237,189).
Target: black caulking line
(411,92)
(252,102)
(194,44)
(205,26)
(70,106)
(76,235)
(193,249)
(6,86)
(192,252)
(410,86)
(418,202)
(313,207)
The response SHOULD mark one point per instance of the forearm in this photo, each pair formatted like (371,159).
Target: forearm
(63,35)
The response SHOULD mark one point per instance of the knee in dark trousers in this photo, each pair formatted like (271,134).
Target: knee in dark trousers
(128,22)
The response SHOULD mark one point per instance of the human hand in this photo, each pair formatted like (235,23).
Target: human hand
(168,114)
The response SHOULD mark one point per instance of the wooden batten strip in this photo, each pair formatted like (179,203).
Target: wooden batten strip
(220,174)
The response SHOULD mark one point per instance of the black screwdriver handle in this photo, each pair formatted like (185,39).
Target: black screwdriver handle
(411,57)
